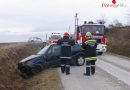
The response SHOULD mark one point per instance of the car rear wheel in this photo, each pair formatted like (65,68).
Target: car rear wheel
(80,60)
(37,68)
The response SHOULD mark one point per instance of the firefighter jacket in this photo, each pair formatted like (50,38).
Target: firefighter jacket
(66,44)
(89,47)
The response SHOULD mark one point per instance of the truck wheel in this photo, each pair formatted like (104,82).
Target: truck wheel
(100,53)
(80,60)
(37,68)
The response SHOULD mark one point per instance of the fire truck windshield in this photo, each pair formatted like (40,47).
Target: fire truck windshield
(55,37)
(92,29)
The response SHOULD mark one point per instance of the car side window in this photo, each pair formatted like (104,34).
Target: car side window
(49,51)
(56,49)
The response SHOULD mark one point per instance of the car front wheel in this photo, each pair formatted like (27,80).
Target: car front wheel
(80,60)
(37,68)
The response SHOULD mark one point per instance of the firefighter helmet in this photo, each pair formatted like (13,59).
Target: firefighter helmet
(66,34)
(88,34)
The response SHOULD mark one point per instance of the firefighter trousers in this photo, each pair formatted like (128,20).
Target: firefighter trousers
(65,66)
(90,67)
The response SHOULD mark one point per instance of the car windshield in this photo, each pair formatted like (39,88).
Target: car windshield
(42,51)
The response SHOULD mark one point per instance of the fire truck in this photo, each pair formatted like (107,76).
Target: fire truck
(54,38)
(97,31)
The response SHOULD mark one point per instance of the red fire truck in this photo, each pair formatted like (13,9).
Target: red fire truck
(54,38)
(97,31)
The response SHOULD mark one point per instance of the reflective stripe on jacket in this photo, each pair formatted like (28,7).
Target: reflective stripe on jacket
(89,47)
(90,58)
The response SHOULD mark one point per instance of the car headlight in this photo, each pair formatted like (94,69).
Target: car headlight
(29,63)
(103,46)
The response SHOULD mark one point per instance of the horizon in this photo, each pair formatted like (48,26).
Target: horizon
(22,19)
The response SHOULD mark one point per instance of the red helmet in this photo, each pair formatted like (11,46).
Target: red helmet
(66,34)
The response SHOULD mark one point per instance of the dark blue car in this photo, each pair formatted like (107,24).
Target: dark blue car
(47,57)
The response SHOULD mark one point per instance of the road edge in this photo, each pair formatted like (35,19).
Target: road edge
(114,54)
(60,82)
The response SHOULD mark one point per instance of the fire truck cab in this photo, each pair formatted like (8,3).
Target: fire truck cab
(54,38)
(97,31)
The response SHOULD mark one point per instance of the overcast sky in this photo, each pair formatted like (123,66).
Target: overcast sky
(21,19)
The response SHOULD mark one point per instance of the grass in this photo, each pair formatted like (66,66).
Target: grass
(119,41)
(9,57)
(46,80)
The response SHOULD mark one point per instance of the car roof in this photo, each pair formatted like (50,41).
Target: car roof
(56,44)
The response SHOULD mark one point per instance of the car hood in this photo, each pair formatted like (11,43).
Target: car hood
(30,57)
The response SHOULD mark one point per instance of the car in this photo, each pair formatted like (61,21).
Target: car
(49,56)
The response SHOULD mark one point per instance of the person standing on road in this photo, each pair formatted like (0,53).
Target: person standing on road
(89,47)
(65,57)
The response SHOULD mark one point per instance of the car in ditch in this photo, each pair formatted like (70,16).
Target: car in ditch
(49,56)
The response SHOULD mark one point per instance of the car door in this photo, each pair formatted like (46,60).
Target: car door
(53,55)
(76,48)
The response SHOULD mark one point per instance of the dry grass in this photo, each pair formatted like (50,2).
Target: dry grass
(9,57)
(10,54)
(46,80)
(119,41)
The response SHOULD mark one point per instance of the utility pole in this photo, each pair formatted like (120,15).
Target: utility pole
(76,25)
(46,37)
(69,30)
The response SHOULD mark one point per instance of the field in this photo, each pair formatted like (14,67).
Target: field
(119,41)
(10,55)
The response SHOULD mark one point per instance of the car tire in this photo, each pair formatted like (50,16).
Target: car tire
(80,60)
(23,75)
(100,53)
(37,68)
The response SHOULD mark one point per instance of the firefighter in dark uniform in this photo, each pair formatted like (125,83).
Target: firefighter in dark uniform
(65,57)
(89,47)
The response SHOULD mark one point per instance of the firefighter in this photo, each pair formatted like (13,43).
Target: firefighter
(65,57)
(89,47)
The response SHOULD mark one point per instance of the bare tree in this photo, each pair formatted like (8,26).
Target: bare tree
(102,20)
(128,17)
(117,23)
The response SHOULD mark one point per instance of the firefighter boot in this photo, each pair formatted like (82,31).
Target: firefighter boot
(62,68)
(87,71)
(92,69)
(87,68)
(67,69)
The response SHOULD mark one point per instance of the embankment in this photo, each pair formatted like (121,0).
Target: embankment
(119,41)
(10,55)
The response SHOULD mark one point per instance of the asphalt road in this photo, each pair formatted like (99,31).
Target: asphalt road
(112,73)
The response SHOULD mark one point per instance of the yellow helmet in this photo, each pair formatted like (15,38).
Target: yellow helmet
(88,34)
